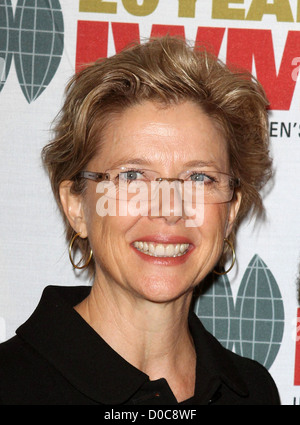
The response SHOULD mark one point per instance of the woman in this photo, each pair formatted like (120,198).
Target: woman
(157,113)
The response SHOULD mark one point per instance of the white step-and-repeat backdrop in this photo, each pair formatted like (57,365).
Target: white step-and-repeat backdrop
(41,41)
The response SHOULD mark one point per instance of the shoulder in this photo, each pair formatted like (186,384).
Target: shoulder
(259,381)
(259,384)
(14,362)
(29,373)
(244,380)
(13,356)
(21,369)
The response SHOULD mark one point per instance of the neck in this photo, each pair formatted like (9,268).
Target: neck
(153,337)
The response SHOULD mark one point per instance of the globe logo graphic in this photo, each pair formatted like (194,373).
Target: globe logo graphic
(34,36)
(254,325)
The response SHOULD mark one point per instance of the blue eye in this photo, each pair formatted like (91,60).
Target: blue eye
(201,177)
(130,175)
(197,177)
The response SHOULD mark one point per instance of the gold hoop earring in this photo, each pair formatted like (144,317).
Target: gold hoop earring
(233,259)
(70,254)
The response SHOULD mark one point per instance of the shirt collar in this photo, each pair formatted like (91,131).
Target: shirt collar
(61,336)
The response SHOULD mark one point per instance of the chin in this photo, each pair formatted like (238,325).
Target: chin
(163,290)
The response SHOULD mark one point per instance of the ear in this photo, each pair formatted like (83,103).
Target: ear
(234,207)
(73,208)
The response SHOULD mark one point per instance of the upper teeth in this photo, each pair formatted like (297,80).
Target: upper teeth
(161,250)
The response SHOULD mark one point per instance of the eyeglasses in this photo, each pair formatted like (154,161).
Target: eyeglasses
(207,187)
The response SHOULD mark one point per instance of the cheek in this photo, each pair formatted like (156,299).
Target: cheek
(214,221)
(211,237)
(108,234)
(211,234)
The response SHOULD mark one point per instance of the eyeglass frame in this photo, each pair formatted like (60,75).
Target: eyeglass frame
(105,177)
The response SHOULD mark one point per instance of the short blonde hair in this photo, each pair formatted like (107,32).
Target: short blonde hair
(169,71)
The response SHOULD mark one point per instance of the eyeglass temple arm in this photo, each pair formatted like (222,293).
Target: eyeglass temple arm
(98,177)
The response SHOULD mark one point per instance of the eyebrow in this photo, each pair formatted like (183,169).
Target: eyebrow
(143,161)
(198,163)
(129,160)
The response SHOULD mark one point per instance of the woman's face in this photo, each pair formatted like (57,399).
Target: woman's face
(169,141)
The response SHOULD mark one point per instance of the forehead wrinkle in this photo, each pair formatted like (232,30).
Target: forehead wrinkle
(161,159)
(163,143)
(151,155)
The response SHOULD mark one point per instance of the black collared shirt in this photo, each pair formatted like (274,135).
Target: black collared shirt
(57,358)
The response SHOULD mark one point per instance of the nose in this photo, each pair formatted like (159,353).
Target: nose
(167,201)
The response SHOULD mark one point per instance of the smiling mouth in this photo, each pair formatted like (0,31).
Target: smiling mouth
(162,250)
